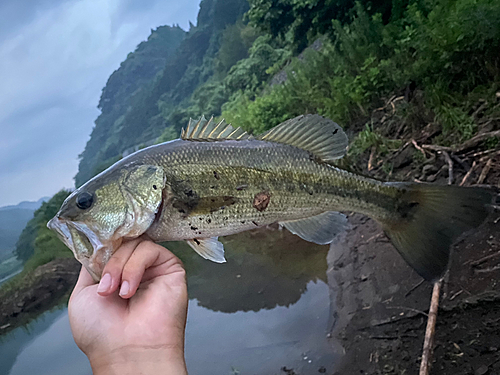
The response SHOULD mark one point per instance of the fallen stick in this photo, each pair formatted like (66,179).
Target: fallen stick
(419,148)
(468,174)
(485,172)
(450,167)
(425,365)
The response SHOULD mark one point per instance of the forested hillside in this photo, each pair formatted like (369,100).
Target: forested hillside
(162,73)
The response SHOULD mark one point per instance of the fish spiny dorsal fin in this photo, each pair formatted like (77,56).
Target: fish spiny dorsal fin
(209,131)
(314,133)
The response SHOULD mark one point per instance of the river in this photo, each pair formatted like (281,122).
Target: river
(267,308)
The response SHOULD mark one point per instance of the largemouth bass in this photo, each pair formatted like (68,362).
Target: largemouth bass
(217,180)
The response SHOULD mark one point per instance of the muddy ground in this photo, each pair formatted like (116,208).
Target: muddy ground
(382,305)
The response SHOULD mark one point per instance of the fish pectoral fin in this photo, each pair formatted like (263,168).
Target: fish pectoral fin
(208,248)
(320,229)
(320,136)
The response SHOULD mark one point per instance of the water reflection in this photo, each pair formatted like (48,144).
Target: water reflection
(44,347)
(264,269)
(266,308)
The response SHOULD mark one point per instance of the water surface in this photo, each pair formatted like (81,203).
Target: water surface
(268,307)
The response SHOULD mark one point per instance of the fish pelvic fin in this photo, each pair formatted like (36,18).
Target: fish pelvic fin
(210,131)
(320,229)
(431,219)
(320,136)
(208,248)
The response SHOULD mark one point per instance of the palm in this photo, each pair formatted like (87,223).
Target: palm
(153,317)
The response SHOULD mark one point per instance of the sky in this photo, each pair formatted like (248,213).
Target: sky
(55,58)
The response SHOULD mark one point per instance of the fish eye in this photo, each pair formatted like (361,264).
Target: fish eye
(84,200)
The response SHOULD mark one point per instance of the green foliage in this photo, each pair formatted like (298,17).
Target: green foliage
(36,237)
(446,48)
(439,47)
(368,139)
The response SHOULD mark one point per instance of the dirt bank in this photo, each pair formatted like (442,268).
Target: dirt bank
(382,305)
(44,289)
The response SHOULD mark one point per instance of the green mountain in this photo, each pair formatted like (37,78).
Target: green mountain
(124,87)
(12,221)
(162,73)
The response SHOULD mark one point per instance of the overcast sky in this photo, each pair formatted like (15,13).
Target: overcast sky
(55,58)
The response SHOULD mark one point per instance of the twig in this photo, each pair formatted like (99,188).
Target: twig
(414,287)
(450,167)
(371,158)
(455,295)
(477,139)
(437,148)
(464,165)
(484,158)
(392,337)
(419,148)
(420,312)
(486,270)
(468,174)
(485,172)
(481,153)
(483,259)
(425,365)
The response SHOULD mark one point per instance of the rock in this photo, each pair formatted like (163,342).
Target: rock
(481,370)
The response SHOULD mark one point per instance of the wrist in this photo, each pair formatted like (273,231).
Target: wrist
(144,361)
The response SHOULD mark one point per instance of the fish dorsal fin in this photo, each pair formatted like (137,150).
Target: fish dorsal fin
(209,131)
(320,229)
(314,133)
(208,248)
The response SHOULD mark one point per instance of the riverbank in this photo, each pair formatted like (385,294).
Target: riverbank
(382,305)
(44,289)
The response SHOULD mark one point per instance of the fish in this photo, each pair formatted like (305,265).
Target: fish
(217,180)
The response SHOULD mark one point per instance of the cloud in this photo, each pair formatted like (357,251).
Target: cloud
(53,65)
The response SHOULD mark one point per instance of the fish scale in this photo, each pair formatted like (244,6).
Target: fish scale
(298,186)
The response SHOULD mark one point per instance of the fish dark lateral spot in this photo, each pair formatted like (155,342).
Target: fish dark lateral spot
(254,223)
(194,228)
(154,187)
(335,131)
(216,175)
(209,220)
(261,201)
(195,240)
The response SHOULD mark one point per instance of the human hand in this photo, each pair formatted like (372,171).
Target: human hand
(141,329)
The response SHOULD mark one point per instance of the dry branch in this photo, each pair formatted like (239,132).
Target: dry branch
(468,174)
(474,141)
(425,365)
(450,167)
(485,172)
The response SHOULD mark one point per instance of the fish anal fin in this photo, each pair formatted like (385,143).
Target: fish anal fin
(320,229)
(321,136)
(208,248)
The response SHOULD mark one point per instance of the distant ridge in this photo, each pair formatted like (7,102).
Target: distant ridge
(26,205)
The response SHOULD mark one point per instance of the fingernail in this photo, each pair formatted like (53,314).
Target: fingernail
(104,284)
(125,288)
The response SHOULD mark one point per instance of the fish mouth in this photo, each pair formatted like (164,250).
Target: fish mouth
(86,246)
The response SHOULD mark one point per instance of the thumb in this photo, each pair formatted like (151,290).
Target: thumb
(84,280)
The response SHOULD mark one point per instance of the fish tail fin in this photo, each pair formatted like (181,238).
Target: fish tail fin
(431,219)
